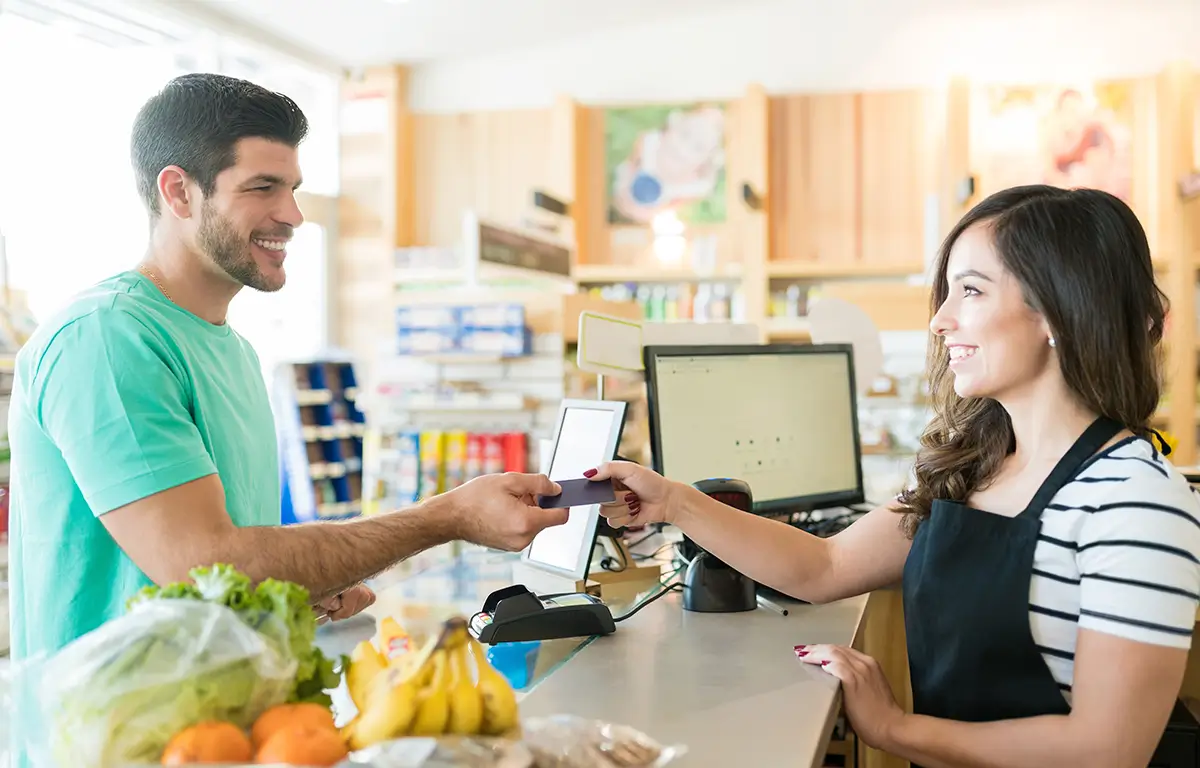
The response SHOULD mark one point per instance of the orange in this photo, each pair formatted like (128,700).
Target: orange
(282,715)
(209,742)
(303,745)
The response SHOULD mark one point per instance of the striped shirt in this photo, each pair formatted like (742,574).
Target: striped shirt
(1119,553)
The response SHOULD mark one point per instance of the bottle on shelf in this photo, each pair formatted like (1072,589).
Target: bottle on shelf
(701,306)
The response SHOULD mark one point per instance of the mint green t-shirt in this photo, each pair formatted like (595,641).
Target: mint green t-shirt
(120,396)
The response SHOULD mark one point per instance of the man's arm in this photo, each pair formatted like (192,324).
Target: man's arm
(109,394)
(171,532)
(175,530)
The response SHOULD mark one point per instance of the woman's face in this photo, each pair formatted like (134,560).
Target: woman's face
(998,345)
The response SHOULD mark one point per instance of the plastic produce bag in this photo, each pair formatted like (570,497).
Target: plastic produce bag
(118,694)
(562,741)
(567,741)
(444,752)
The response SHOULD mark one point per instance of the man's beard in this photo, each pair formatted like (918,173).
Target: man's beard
(229,251)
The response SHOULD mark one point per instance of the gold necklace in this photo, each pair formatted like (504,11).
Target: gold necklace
(154,278)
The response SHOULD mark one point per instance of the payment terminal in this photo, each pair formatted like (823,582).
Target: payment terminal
(515,614)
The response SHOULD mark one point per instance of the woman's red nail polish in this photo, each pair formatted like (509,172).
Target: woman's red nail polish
(824,663)
(631,498)
(798,647)
(589,473)
(801,653)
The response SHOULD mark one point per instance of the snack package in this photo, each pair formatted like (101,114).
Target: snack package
(118,694)
(567,741)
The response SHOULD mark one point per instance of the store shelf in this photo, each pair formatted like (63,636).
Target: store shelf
(788,328)
(623,273)
(819,270)
(321,435)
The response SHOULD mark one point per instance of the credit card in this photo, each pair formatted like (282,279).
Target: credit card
(579,493)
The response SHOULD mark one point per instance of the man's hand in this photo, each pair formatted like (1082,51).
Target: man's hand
(353,601)
(501,511)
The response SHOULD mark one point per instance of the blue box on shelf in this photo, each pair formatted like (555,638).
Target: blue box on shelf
(503,315)
(427,341)
(429,316)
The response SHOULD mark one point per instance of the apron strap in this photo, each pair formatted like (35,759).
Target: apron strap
(1162,441)
(1092,440)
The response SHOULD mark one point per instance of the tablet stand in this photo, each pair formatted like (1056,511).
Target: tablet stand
(599,581)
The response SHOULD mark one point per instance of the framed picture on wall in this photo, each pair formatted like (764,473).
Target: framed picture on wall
(1066,136)
(665,159)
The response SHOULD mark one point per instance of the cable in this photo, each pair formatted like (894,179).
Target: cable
(666,589)
(633,544)
(655,553)
(610,563)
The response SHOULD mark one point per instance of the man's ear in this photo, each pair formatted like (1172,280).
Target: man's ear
(175,191)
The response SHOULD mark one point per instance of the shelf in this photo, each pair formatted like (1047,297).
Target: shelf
(822,270)
(623,273)
(788,328)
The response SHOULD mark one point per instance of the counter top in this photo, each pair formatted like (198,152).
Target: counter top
(728,686)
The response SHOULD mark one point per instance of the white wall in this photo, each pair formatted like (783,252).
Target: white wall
(807,45)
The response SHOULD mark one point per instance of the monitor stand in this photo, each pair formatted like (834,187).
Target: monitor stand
(602,583)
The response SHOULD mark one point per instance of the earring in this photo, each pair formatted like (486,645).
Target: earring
(1053,343)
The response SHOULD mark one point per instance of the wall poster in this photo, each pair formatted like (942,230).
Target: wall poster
(1063,136)
(665,158)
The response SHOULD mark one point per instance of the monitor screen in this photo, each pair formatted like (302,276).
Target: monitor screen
(783,418)
(587,436)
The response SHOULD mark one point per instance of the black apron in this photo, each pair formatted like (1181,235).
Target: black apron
(966,605)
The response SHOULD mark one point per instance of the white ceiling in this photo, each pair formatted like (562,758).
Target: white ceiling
(409,31)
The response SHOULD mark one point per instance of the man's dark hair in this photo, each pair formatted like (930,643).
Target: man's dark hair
(196,120)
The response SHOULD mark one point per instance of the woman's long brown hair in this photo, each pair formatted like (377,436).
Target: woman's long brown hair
(1082,260)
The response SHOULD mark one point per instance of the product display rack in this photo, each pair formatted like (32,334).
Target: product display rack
(321,431)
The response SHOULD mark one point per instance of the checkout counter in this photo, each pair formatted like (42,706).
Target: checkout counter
(726,685)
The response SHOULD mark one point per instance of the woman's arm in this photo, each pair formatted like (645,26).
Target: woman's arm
(868,555)
(1123,695)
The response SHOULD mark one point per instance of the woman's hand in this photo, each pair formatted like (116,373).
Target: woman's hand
(874,714)
(643,495)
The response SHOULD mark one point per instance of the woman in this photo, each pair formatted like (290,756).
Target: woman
(1049,554)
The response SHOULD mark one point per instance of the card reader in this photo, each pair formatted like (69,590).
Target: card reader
(516,614)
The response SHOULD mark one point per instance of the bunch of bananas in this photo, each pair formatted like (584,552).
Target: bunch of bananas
(428,692)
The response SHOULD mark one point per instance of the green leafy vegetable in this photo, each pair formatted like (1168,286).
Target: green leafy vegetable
(216,647)
(281,611)
(118,694)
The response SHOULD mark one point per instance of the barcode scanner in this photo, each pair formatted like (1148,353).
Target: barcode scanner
(711,585)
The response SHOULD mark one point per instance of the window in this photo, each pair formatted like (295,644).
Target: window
(69,211)
(68,208)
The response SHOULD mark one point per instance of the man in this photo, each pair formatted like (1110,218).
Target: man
(143,443)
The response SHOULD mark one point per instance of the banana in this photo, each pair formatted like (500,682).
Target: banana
(365,663)
(389,708)
(466,705)
(433,707)
(454,634)
(416,664)
(499,699)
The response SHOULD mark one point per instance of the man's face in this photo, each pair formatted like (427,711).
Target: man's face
(250,216)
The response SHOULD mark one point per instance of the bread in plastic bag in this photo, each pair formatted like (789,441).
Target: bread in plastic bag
(444,752)
(568,741)
(118,694)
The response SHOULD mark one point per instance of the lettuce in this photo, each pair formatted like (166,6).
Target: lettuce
(281,611)
(118,694)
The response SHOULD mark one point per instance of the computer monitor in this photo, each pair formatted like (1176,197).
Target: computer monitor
(586,435)
(781,417)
